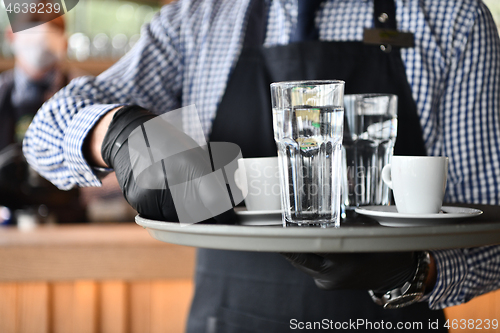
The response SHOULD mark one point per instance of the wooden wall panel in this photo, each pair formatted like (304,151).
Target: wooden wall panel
(8,307)
(136,307)
(113,306)
(170,303)
(160,317)
(62,307)
(85,307)
(33,307)
(140,307)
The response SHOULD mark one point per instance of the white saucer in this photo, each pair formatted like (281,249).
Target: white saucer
(260,217)
(389,216)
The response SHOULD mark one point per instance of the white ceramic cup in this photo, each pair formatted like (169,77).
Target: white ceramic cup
(258,179)
(418,183)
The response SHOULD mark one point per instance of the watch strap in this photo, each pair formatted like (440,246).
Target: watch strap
(411,292)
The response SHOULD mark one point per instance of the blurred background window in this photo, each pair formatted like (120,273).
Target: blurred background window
(98,29)
(106,28)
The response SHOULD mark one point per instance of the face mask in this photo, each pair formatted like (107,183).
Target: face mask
(32,47)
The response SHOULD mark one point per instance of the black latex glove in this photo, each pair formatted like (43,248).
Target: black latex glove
(379,272)
(150,196)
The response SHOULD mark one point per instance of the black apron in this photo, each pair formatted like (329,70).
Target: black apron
(261,292)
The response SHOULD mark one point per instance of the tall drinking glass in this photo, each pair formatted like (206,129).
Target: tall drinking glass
(369,137)
(308,124)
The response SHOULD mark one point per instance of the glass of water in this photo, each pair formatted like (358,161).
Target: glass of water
(369,136)
(308,126)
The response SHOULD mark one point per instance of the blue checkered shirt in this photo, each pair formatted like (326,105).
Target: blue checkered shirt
(185,56)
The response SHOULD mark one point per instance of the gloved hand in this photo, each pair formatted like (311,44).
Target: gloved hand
(379,272)
(149,192)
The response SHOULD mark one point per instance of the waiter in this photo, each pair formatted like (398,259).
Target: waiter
(191,43)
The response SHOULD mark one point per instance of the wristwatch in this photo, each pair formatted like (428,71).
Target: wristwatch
(411,292)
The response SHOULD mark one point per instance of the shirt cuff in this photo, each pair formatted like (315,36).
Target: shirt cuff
(452,269)
(75,135)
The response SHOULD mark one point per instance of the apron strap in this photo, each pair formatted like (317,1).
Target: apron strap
(306,29)
(256,29)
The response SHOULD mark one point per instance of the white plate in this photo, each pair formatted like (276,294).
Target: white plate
(260,217)
(389,216)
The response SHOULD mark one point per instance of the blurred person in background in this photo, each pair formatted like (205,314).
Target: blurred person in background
(39,71)
(40,55)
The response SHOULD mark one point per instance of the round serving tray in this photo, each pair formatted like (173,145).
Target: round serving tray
(356,238)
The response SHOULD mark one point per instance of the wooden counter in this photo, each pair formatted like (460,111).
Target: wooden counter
(92,278)
(91,66)
(111,278)
(98,252)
